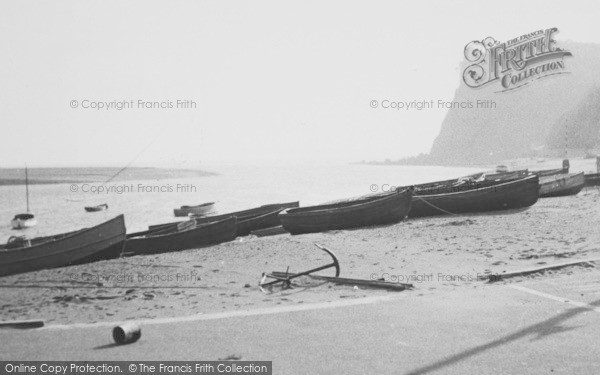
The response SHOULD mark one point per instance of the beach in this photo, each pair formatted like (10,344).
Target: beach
(434,254)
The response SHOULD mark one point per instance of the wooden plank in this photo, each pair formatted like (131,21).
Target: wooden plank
(353,282)
(498,277)
(22,324)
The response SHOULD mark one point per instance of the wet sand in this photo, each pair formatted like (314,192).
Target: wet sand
(433,254)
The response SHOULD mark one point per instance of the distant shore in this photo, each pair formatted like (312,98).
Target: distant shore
(44,176)
(578,163)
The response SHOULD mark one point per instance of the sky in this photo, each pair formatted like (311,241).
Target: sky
(272,81)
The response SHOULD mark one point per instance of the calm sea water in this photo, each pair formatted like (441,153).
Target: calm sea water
(59,209)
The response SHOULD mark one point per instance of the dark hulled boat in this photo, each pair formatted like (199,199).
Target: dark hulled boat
(103,241)
(100,207)
(362,212)
(592,179)
(247,220)
(481,198)
(561,185)
(506,176)
(201,209)
(255,218)
(550,172)
(186,235)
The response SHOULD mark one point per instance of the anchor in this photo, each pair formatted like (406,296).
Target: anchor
(286,279)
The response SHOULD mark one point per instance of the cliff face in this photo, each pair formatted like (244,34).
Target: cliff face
(532,120)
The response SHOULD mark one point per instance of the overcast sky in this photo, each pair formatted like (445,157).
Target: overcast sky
(272,80)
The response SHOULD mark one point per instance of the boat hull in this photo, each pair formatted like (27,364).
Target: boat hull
(99,242)
(23,223)
(506,176)
(592,179)
(550,172)
(364,212)
(247,220)
(100,207)
(199,210)
(561,185)
(502,196)
(169,240)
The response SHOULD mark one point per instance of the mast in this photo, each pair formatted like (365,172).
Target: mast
(27,188)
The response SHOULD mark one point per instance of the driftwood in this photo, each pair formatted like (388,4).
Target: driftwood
(499,277)
(22,324)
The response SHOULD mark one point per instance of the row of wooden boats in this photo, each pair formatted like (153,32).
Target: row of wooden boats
(470,194)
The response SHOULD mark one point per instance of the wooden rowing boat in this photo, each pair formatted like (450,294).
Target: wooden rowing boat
(254,219)
(561,185)
(100,207)
(482,198)
(550,172)
(363,212)
(186,235)
(100,242)
(200,210)
(506,176)
(247,220)
(592,179)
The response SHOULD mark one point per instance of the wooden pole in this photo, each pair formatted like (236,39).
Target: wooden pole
(27,187)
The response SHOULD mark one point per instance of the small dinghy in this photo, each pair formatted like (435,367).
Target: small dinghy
(23,221)
(27,220)
(100,207)
(199,210)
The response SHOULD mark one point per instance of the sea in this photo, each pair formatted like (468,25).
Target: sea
(60,207)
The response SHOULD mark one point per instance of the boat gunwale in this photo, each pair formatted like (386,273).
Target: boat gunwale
(495,186)
(69,235)
(164,235)
(348,206)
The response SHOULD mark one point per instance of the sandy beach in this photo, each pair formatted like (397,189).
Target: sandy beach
(434,254)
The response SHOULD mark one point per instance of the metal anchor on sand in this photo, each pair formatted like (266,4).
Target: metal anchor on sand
(285,278)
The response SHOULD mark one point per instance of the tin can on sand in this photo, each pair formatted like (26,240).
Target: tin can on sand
(126,333)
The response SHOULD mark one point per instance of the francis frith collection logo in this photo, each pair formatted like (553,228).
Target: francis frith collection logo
(514,63)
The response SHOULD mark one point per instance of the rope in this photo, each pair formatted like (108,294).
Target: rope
(434,206)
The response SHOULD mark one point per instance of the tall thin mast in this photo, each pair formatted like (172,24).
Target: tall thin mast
(27,187)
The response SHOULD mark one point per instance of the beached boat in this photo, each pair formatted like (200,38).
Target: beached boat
(27,220)
(550,172)
(100,207)
(561,185)
(506,176)
(100,242)
(592,179)
(247,220)
(473,179)
(200,210)
(482,198)
(185,235)
(450,182)
(362,212)
(253,219)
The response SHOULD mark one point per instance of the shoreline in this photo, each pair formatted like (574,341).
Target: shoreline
(225,277)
